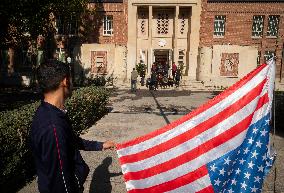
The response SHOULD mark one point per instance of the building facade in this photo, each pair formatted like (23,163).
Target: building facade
(164,31)
(216,42)
(104,52)
(236,36)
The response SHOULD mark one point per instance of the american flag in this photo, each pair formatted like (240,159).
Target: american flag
(222,146)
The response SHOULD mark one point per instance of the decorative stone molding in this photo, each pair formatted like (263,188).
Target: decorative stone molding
(162,42)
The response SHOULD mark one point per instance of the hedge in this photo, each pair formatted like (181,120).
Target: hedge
(86,106)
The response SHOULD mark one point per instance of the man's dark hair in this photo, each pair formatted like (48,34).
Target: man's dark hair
(51,73)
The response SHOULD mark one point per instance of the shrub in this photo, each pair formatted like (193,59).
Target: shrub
(15,163)
(141,69)
(96,81)
(85,107)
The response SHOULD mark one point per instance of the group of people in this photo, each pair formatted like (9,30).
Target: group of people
(161,75)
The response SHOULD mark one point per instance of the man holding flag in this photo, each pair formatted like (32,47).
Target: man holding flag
(222,146)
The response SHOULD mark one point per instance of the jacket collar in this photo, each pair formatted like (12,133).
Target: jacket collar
(53,108)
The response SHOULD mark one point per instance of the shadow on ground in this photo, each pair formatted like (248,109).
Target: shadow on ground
(101,178)
(145,93)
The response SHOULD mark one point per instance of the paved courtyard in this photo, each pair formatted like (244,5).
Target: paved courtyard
(135,114)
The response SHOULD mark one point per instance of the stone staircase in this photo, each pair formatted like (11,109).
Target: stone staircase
(195,85)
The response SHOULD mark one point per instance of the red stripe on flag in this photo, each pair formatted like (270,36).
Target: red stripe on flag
(195,131)
(202,108)
(192,154)
(176,183)
(208,189)
(263,100)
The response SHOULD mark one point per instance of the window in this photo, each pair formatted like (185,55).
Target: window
(72,25)
(163,23)
(273,23)
(257,25)
(258,58)
(98,62)
(181,56)
(182,23)
(219,25)
(59,26)
(108,25)
(268,55)
(143,23)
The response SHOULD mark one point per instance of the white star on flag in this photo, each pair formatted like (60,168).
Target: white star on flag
(258,144)
(254,130)
(250,165)
(263,132)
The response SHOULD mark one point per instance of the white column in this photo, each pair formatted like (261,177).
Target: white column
(194,40)
(132,38)
(150,50)
(175,58)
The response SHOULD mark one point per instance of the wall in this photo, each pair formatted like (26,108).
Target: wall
(238,28)
(116,57)
(120,24)
(210,70)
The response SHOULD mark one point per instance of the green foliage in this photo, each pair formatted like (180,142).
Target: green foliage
(141,69)
(100,81)
(14,128)
(85,107)
(22,17)
(96,81)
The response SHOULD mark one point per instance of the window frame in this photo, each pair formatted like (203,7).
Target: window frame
(273,53)
(108,25)
(217,20)
(253,22)
(267,31)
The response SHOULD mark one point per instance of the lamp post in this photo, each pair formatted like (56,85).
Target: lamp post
(69,60)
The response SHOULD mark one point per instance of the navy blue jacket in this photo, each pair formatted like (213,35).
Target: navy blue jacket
(60,166)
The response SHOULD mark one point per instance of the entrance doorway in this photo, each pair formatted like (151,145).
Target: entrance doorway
(162,60)
(161,57)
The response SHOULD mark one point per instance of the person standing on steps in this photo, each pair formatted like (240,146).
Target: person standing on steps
(174,70)
(134,76)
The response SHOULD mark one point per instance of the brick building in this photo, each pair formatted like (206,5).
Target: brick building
(110,22)
(104,52)
(242,23)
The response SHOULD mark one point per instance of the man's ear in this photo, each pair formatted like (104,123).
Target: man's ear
(64,82)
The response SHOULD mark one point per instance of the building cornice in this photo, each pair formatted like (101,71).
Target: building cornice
(245,1)
(164,2)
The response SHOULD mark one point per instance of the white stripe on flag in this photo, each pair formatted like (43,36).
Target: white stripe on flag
(260,113)
(194,142)
(197,119)
(195,186)
(189,166)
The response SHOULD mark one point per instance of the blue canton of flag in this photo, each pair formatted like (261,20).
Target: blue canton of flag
(244,169)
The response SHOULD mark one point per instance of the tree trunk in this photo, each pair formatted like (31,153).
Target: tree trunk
(11,54)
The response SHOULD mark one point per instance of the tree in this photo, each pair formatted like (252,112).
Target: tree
(23,21)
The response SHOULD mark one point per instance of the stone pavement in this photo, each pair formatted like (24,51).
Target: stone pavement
(136,114)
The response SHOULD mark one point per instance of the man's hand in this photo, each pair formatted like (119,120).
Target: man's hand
(108,145)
